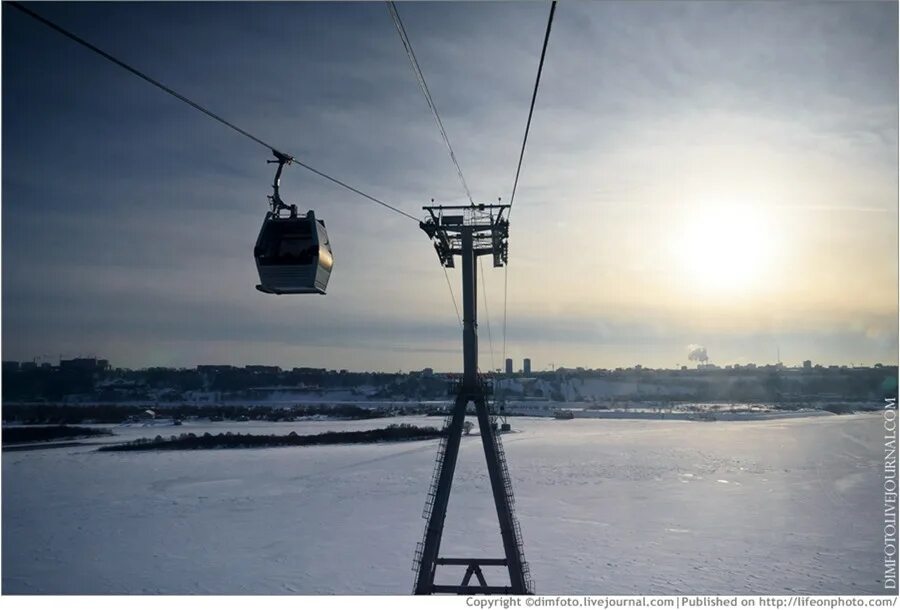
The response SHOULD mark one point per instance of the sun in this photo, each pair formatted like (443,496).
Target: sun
(725,248)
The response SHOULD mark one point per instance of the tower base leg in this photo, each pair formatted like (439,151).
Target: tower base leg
(427,554)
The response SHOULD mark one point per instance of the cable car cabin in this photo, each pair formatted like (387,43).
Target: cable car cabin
(293,255)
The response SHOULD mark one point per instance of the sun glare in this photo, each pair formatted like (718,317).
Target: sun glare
(725,248)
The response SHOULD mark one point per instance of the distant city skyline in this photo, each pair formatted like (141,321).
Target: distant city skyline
(521,369)
(715,174)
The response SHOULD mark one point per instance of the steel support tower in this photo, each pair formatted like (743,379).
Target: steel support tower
(470,232)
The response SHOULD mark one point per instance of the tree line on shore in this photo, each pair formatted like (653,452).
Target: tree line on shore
(229,440)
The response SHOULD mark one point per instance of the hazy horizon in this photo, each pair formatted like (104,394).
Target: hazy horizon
(537,366)
(722,174)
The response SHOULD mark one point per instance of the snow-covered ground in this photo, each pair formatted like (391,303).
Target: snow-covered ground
(606,506)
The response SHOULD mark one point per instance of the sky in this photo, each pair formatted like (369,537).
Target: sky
(715,174)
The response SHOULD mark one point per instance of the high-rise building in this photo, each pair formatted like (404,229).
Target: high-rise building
(509,365)
(526,366)
(807,364)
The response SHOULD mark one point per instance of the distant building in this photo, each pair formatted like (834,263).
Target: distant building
(28,366)
(428,372)
(509,366)
(214,368)
(256,369)
(526,366)
(305,370)
(807,364)
(92,365)
(10,366)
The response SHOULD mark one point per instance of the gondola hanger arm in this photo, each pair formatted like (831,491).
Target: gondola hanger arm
(277,204)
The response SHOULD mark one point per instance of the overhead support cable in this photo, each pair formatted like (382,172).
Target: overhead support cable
(487,313)
(355,190)
(505,291)
(452,296)
(193,104)
(423,85)
(537,83)
(420,77)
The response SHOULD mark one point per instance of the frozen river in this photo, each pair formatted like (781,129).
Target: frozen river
(606,506)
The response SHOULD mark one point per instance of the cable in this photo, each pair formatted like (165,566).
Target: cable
(355,190)
(505,288)
(487,313)
(537,83)
(420,77)
(195,105)
(138,73)
(452,296)
(512,198)
(392,9)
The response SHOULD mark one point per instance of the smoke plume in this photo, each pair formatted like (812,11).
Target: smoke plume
(697,353)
